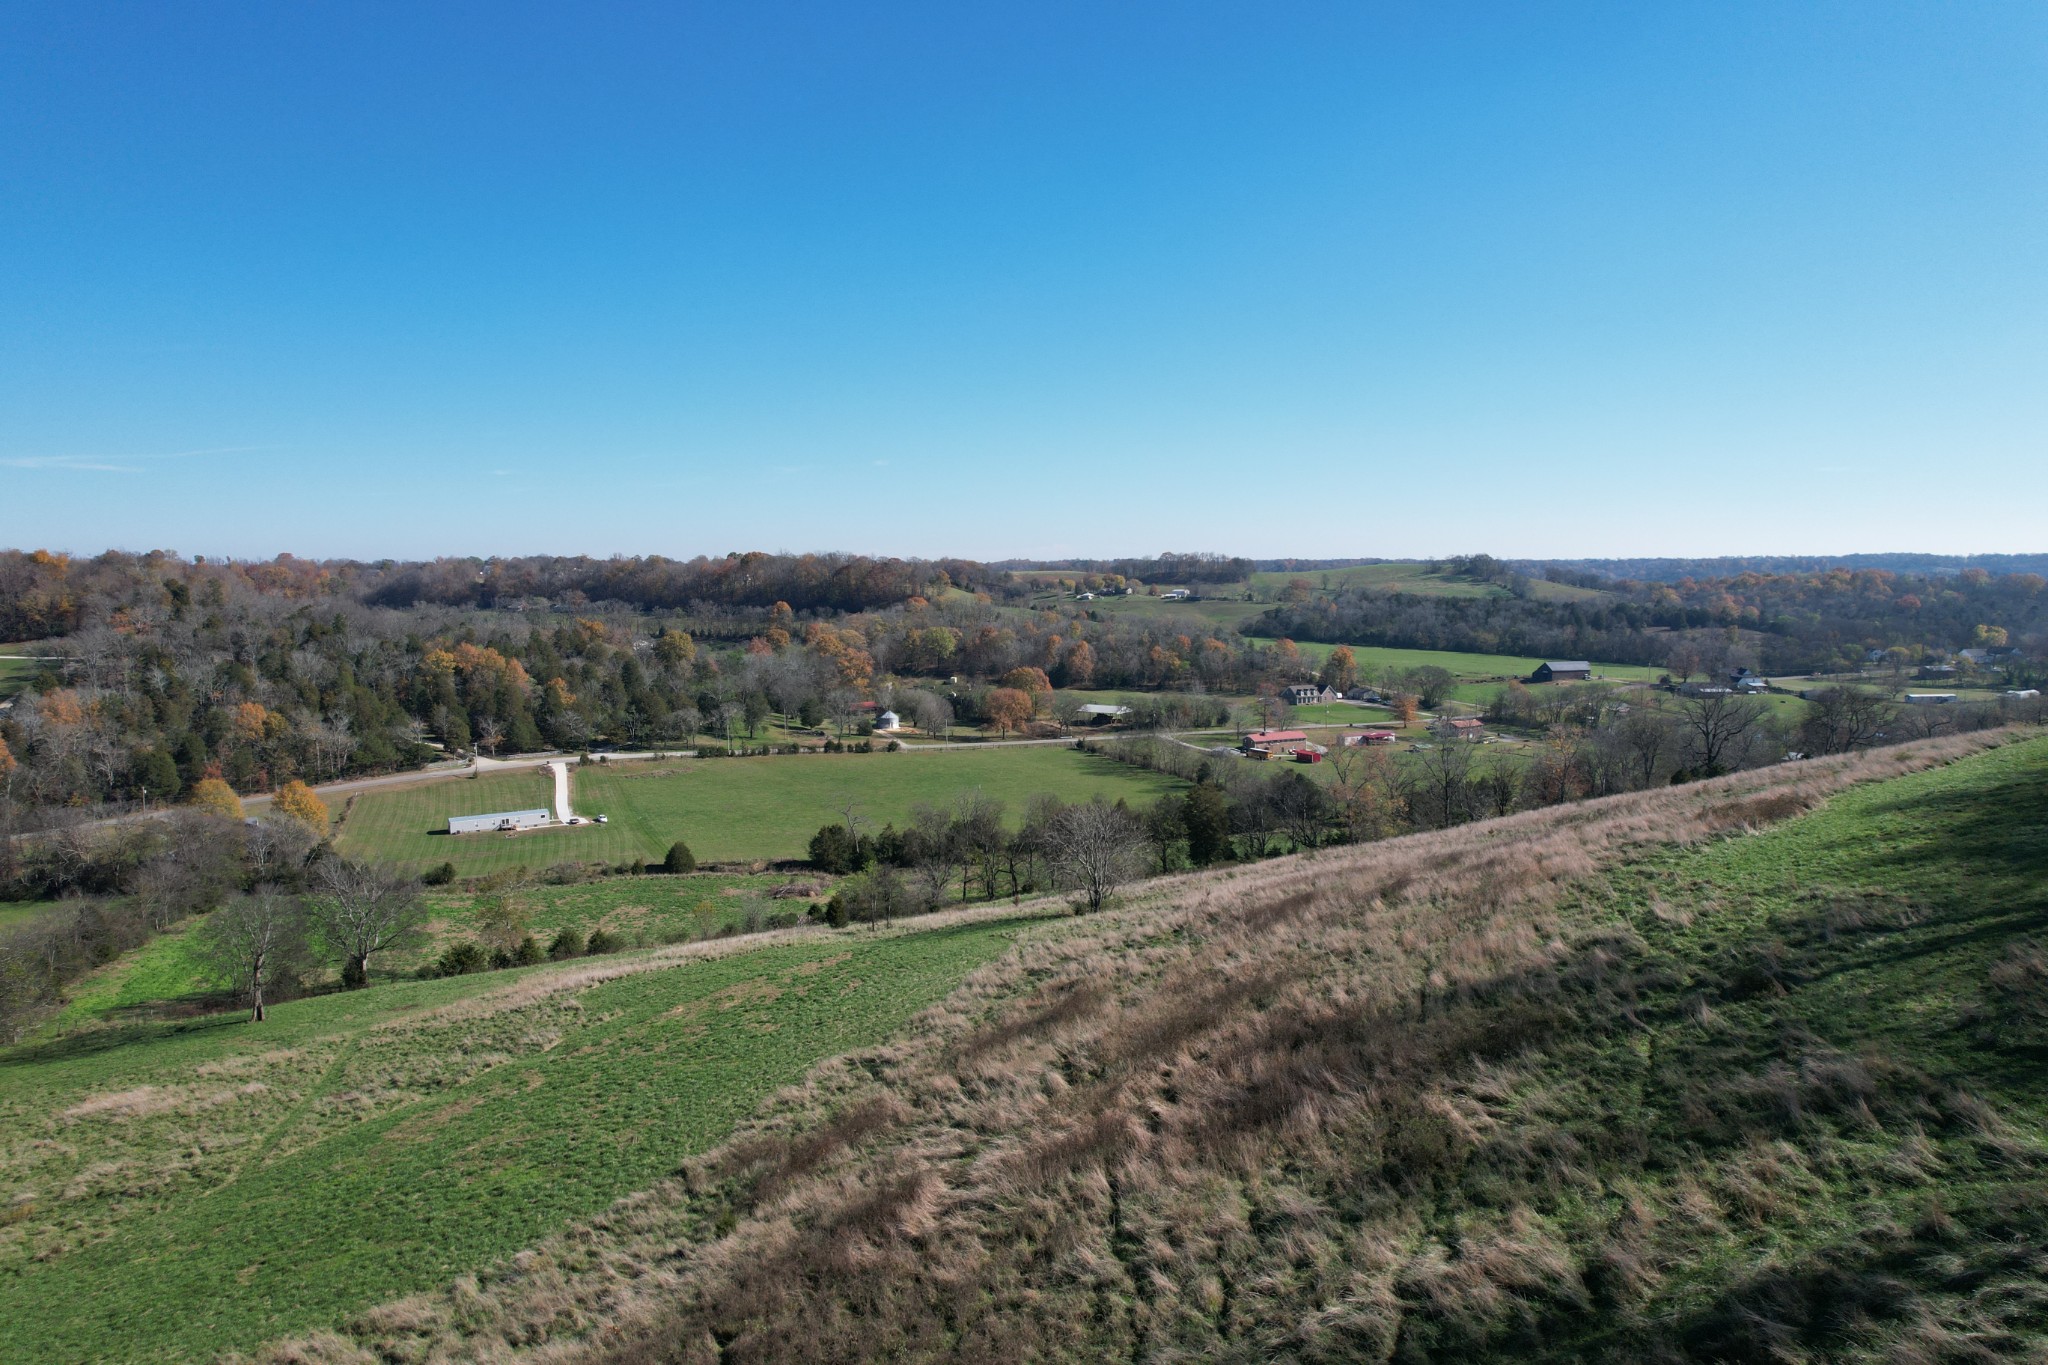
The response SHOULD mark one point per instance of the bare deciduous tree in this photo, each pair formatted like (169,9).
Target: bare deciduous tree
(1094,849)
(1845,718)
(255,944)
(364,910)
(1718,730)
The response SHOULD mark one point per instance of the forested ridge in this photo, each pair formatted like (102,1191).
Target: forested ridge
(1794,622)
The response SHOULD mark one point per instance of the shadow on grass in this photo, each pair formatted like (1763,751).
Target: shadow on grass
(92,1042)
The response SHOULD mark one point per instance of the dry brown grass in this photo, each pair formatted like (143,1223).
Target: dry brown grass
(1205,1124)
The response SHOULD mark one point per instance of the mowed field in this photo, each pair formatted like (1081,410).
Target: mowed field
(1373,660)
(180,1191)
(727,810)
(16,669)
(1221,614)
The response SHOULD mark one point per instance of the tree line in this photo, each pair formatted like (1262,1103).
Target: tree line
(1793,622)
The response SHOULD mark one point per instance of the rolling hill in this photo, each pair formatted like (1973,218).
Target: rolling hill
(1741,1070)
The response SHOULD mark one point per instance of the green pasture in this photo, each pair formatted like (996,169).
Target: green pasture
(1210,616)
(641,911)
(726,809)
(180,1191)
(408,824)
(1405,577)
(20,912)
(167,968)
(1339,713)
(1374,660)
(16,670)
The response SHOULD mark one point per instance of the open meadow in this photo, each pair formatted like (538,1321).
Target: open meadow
(1374,660)
(16,670)
(727,810)
(177,1191)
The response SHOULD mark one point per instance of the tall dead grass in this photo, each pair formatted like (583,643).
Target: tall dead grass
(1211,1124)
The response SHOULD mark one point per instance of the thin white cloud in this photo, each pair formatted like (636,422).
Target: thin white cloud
(114,464)
(77,462)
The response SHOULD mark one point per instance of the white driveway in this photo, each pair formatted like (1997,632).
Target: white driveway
(561,772)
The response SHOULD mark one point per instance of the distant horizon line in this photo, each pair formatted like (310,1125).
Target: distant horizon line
(1058,561)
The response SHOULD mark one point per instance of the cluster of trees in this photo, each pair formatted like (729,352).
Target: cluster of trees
(825,583)
(279,905)
(1089,848)
(1596,573)
(255,688)
(505,938)
(1782,622)
(43,594)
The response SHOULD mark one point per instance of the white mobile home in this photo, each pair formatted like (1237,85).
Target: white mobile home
(503,820)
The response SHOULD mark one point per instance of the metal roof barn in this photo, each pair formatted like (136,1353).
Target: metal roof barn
(505,820)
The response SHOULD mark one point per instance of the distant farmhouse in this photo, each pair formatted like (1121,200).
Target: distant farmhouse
(1562,670)
(503,820)
(1308,694)
(1176,595)
(1102,713)
(1468,728)
(1272,743)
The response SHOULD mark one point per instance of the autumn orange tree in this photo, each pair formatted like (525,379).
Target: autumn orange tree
(1340,670)
(217,798)
(1027,679)
(1009,709)
(297,801)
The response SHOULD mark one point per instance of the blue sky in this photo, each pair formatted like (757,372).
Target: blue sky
(1045,279)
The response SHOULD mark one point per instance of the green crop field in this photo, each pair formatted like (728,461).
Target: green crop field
(739,809)
(181,1191)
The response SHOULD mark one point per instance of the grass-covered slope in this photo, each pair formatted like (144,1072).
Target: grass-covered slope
(173,1191)
(1623,1081)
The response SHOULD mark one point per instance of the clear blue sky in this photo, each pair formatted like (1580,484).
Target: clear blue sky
(1040,279)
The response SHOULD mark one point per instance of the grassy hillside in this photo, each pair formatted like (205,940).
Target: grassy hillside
(176,1191)
(1623,1081)
(726,809)
(639,912)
